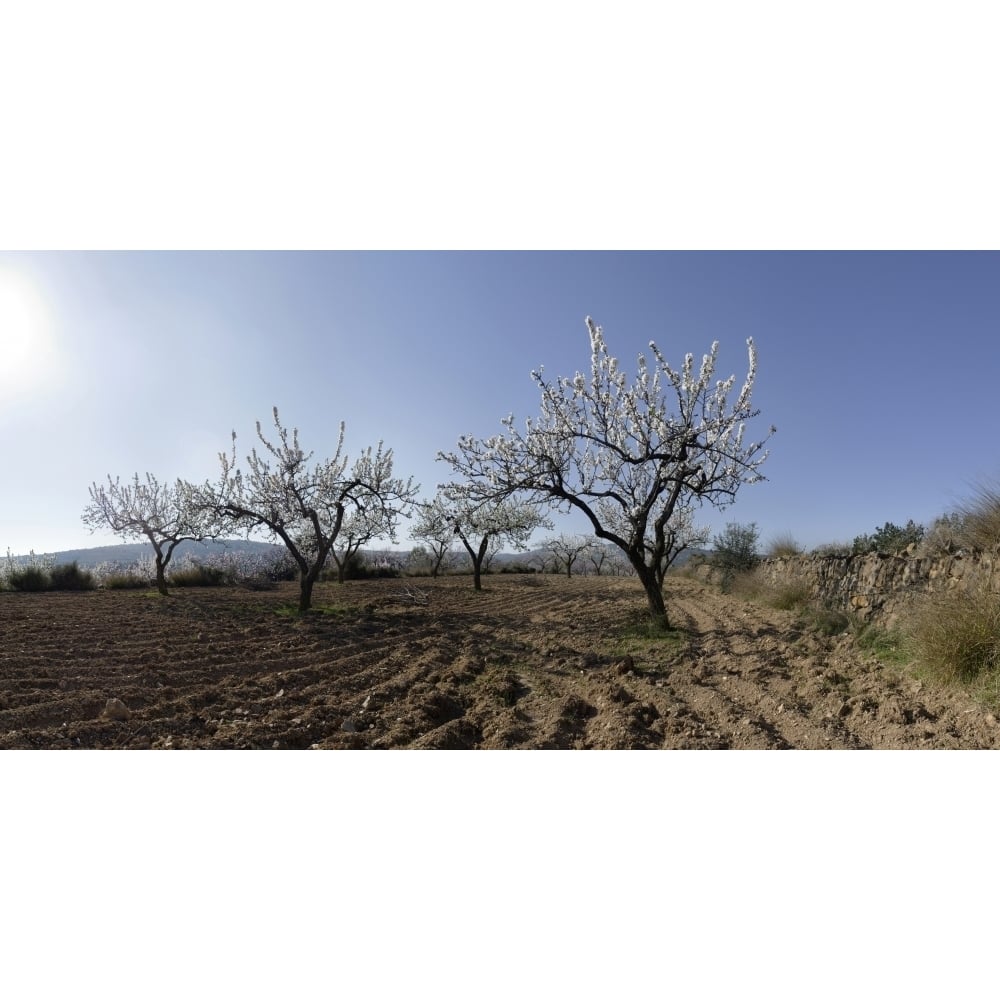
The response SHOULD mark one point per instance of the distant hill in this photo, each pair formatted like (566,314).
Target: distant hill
(89,558)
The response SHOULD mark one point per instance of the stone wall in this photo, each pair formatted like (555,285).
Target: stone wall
(877,586)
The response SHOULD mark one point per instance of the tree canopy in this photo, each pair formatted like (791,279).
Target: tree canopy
(635,457)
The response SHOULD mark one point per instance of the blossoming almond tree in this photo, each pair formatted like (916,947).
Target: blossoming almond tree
(635,457)
(565,550)
(362,525)
(434,524)
(482,525)
(152,510)
(304,505)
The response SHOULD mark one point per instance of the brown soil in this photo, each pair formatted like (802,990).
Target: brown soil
(531,662)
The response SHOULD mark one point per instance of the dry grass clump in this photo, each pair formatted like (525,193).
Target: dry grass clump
(749,585)
(789,596)
(752,586)
(956,635)
(783,546)
(793,595)
(978,518)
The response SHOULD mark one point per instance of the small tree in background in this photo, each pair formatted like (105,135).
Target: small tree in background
(153,510)
(565,550)
(735,549)
(304,505)
(598,555)
(434,524)
(362,525)
(483,528)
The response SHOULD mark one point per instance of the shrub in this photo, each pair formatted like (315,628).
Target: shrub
(735,549)
(833,549)
(957,634)
(358,568)
(889,538)
(28,578)
(282,569)
(197,575)
(25,572)
(69,576)
(118,575)
(517,567)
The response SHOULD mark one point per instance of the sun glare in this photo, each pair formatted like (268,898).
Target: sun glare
(25,345)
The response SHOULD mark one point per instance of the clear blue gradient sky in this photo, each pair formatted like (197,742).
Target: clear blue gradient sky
(879,369)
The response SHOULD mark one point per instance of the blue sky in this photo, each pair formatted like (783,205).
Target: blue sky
(877,368)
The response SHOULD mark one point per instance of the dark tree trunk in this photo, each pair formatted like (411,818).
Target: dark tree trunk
(654,593)
(161,580)
(477,559)
(306,582)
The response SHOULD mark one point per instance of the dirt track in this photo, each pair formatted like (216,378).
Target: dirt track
(531,662)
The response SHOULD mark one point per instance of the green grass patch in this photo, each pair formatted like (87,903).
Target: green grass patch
(331,610)
(827,621)
(888,645)
(644,629)
(648,642)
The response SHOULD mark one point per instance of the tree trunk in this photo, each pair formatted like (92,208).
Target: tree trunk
(161,580)
(306,582)
(341,571)
(477,560)
(654,593)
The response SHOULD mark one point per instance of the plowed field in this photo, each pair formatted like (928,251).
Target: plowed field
(531,662)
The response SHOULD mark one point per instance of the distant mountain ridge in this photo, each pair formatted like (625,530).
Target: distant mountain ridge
(96,556)
(89,558)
